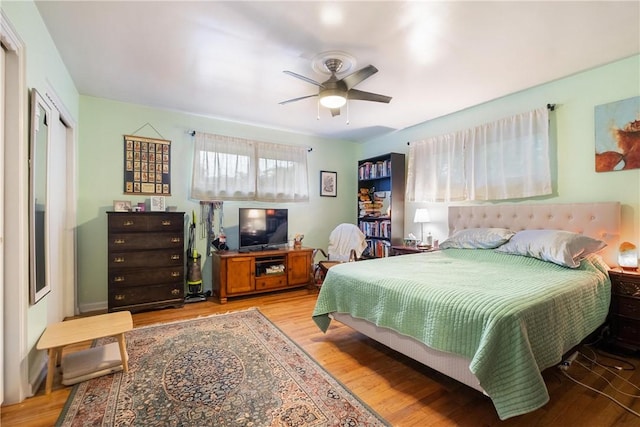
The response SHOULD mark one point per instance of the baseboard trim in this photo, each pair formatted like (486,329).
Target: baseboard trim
(96,306)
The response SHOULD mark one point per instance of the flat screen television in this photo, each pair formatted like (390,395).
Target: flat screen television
(261,228)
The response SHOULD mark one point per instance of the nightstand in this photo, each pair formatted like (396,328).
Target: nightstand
(624,312)
(404,250)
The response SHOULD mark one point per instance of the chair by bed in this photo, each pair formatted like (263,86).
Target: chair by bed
(346,244)
(496,343)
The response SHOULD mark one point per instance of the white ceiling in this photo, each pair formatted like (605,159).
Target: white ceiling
(225,59)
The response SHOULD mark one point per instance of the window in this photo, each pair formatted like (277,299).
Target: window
(228,168)
(506,159)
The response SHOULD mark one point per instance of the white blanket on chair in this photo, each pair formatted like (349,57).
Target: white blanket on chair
(343,239)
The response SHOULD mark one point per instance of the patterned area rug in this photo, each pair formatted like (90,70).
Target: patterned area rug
(235,369)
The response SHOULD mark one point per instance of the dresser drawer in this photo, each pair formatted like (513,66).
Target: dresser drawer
(144,276)
(628,307)
(135,222)
(125,296)
(626,287)
(271,282)
(160,258)
(628,330)
(138,241)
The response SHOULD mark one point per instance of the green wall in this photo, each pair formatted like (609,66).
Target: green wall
(44,71)
(102,126)
(572,140)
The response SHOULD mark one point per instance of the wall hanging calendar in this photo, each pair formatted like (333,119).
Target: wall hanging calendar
(147,165)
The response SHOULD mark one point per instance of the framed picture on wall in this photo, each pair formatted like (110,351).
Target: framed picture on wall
(617,127)
(328,184)
(147,166)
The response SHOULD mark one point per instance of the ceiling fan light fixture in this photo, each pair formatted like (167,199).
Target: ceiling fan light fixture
(332,99)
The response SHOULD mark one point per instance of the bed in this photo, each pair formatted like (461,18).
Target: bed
(449,310)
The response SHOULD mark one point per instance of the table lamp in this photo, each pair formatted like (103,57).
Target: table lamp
(421,216)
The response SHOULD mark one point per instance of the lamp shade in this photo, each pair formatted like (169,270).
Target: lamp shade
(421,215)
(331,100)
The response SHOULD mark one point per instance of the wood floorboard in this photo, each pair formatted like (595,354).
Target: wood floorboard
(401,390)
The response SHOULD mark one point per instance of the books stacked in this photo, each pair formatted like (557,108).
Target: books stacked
(371,204)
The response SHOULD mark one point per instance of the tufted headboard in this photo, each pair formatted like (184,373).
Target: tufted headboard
(598,220)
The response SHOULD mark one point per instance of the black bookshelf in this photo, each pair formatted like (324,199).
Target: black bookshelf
(381,186)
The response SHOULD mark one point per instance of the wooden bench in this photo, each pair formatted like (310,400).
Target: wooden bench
(59,335)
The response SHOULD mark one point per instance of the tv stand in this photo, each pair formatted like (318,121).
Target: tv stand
(238,273)
(257,249)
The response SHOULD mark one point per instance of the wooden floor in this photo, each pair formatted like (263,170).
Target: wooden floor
(400,390)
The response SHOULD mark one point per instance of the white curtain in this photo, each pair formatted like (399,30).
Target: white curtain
(282,173)
(506,159)
(436,169)
(228,168)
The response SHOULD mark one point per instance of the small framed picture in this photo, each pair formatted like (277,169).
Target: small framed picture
(158,204)
(328,184)
(121,205)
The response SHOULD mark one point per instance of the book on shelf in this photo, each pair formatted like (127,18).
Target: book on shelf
(378,228)
(378,248)
(371,170)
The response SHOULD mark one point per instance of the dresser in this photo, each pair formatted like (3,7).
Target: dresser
(624,312)
(146,260)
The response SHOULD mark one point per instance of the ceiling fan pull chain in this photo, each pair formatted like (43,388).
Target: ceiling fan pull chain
(318,105)
(348,111)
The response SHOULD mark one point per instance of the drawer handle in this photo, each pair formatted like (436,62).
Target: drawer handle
(119,297)
(118,279)
(166,222)
(175,274)
(128,223)
(119,241)
(175,292)
(175,257)
(176,240)
(119,259)
(630,289)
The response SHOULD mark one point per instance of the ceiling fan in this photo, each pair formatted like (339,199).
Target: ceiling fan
(335,92)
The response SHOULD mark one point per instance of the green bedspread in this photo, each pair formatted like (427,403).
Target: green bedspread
(512,316)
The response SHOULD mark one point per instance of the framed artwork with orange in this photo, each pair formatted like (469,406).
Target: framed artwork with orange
(617,127)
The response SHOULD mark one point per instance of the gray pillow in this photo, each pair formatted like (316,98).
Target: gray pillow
(560,247)
(477,238)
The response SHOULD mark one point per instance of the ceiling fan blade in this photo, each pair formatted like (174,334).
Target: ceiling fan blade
(296,99)
(335,112)
(301,77)
(356,77)
(367,96)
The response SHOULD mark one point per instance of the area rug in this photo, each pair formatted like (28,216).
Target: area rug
(235,369)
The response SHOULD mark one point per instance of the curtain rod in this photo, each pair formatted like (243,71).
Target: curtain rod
(550,107)
(193,133)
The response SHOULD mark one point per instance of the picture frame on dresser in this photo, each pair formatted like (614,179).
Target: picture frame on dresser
(121,206)
(158,204)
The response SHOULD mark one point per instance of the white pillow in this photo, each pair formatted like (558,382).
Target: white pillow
(477,238)
(560,247)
